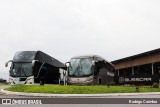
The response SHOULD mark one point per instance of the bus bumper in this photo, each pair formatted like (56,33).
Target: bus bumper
(21,80)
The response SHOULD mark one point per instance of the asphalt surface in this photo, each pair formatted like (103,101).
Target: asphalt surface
(84,105)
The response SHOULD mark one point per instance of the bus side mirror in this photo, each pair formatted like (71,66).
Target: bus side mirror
(67,64)
(33,62)
(93,63)
(6,64)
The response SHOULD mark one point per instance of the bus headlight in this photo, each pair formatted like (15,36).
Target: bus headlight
(29,80)
(90,78)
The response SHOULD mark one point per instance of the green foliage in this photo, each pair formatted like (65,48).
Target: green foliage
(113,83)
(2,80)
(53,89)
(3,84)
(137,89)
(155,85)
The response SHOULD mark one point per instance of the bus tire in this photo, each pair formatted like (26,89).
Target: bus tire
(41,83)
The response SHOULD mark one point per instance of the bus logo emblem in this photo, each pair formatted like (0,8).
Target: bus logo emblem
(121,80)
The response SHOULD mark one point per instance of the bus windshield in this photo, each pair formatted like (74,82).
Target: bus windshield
(80,67)
(21,70)
(25,55)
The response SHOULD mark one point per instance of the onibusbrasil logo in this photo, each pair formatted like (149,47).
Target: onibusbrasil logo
(20,101)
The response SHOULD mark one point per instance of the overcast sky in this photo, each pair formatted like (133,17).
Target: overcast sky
(113,29)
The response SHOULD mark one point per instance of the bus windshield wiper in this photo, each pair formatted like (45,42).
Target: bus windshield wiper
(23,72)
(81,69)
(75,71)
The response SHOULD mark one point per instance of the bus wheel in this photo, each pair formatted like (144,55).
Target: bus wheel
(42,82)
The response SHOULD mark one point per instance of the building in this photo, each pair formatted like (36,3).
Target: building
(142,68)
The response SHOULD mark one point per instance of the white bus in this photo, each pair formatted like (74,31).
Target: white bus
(29,67)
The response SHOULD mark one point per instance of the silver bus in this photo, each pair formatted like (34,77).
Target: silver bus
(89,70)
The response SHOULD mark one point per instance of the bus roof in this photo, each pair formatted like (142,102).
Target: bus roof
(37,55)
(92,56)
(84,56)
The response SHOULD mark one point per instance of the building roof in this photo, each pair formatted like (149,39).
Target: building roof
(137,56)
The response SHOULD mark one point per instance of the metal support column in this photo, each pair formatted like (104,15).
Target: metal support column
(132,70)
(118,72)
(152,68)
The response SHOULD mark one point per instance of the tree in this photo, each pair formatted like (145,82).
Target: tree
(2,80)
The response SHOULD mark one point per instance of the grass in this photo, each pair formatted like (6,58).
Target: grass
(3,84)
(80,89)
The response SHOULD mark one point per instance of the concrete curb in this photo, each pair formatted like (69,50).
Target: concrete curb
(76,95)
